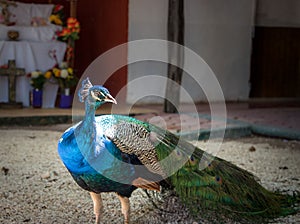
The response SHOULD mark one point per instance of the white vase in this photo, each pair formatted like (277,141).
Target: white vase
(66,91)
(49,95)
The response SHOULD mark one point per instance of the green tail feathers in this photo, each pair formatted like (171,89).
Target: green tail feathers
(220,185)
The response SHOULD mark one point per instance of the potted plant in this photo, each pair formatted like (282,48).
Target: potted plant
(66,80)
(37,81)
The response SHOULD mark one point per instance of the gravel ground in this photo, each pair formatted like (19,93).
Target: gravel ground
(36,188)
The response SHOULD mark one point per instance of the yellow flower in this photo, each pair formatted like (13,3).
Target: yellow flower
(55,19)
(56,72)
(70,71)
(48,74)
(52,18)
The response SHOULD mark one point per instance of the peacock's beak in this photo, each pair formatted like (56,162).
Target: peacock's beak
(110,99)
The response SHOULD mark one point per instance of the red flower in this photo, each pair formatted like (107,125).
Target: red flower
(57,8)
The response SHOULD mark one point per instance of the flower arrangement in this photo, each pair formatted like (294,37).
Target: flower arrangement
(57,17)
(71,31)
(69,34)
(38,79)
(64,76)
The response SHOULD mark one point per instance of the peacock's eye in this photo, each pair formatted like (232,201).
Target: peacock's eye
(99,94)
(192,160)
(219,179)
(210,166)
(178,154)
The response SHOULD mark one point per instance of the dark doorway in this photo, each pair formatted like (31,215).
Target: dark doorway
(104,25)
(275,70)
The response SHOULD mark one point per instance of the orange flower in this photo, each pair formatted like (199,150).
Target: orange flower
(65,32)
(48,74)
(71,20)
(56,72)
(71,30)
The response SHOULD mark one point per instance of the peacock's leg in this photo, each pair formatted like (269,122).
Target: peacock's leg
(97,200)
(125,204)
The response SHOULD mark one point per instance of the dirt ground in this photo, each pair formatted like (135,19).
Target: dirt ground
(35,187)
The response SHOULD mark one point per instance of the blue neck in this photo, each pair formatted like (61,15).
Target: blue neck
(86,131)
(89,118)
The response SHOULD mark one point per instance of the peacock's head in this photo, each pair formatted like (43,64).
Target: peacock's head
(94,95)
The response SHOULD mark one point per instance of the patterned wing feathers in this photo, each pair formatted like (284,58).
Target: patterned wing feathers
(135,139)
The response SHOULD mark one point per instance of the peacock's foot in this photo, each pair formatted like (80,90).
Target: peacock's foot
(97,200)
(98,218)
(125,205)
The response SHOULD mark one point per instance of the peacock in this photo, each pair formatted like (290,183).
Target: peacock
(117,153)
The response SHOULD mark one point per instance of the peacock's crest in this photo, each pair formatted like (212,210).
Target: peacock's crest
(84,90)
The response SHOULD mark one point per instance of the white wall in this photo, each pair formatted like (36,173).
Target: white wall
(147,20)
(217,30)
(278,13)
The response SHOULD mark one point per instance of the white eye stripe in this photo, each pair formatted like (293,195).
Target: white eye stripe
(102,94)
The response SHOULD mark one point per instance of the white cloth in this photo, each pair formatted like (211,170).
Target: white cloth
(31,33)
(23,12)
(31,56)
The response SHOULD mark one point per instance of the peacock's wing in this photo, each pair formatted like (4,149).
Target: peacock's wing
(133,138)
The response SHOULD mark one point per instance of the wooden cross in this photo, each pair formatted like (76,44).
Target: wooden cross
(12,72)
